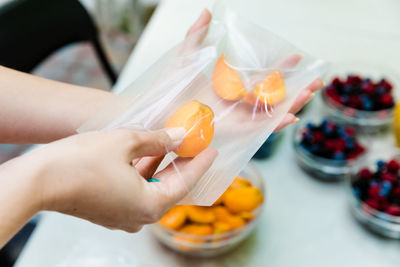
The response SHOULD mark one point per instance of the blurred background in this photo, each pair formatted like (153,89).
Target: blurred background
(118,25)
(318,208)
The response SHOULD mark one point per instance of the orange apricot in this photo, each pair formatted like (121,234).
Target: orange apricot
(199,214)
(247,215)
(174,218)
(270,91)
(243,199)
(194,229)
(227,82)
(239,182)
(219,200)
(199,230)
(224,215)
(197,119)
(221,227)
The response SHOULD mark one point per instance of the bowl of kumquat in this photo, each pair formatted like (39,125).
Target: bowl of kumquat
(209,231)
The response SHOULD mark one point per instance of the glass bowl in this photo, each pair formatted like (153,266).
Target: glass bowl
(377,221)
(212,245)
(366,120)
(320,167)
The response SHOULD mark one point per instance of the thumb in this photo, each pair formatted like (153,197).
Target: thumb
(158,142)
(182,175)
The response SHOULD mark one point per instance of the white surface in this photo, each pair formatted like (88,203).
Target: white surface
(306,223)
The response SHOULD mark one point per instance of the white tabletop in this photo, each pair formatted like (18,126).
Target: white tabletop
(306,222)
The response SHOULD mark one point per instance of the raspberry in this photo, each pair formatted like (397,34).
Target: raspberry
(365,173)
(393,166)
(393,210)
(372,203)
(389,177)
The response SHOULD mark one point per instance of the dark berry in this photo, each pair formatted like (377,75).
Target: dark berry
(393,166)
(372,204)
(365,173)
(393,210)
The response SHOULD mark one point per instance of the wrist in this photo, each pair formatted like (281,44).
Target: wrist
(20,195)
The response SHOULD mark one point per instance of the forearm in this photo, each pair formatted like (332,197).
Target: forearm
(19,197)
(36,110)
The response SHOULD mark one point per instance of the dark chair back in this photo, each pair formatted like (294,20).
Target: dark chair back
(31,30)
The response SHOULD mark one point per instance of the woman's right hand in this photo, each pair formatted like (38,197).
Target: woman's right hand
(102,177)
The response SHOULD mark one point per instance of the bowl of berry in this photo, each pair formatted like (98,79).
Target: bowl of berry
(327,150)
(375,196)
(360,95)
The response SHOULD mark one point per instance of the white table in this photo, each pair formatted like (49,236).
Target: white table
(306,222)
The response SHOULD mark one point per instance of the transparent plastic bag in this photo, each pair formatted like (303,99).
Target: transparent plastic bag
(246,75)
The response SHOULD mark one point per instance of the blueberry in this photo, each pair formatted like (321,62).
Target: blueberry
(350,144)
(314,148)
(380,164)
(324,122)
(310,125)
(338,156)
(344,99)
(340,130)
(384,191)
(356,192)
(347,89)
(381,90)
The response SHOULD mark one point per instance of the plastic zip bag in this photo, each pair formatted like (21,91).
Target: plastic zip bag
(232,83)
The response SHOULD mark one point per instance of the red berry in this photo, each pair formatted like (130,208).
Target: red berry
(330,145)
(365,173)
(386,100)
(353,80)
(373,191)
(386,176)
(372,203)
(368,88)
(352,155)
(393,166)
(385,84)
(396,191)
(318,137)
(393,210)
(336,82)
(340,144)
(350,131)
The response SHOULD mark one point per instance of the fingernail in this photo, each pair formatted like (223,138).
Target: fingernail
(323,84)
(296,120)
(176,134)
(310,97)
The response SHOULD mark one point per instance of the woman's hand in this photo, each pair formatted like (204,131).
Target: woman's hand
(304,97)
(102,177)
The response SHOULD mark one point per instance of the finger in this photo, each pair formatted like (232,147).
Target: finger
(155,143)
(287,120)
(290,61)
(303,98)
(316,85)
(306,95)
(203,20)
(147,166)
(178,184)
